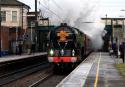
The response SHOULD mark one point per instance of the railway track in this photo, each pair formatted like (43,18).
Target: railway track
(29,79)
(47,76)
(48,81)
(38,75)
(17,74)
(51,80)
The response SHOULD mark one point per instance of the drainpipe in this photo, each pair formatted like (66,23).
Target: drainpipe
(0,28)
(36,24)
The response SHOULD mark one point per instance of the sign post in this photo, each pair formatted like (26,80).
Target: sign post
(123,42)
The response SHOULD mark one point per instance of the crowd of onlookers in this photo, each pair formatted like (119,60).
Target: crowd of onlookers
(117,51)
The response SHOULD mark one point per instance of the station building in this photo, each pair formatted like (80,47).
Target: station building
(13,24)
(115,28)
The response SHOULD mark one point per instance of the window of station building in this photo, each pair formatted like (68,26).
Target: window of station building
(14,16)
(3,16)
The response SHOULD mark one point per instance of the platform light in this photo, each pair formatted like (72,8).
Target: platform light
(73,52)
(62,52)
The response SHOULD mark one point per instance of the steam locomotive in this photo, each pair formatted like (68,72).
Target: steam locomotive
(67,47)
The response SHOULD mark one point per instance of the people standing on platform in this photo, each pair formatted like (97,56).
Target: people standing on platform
(110,51)
(17,48)
(29,49)
(20,48)
(33,48)
(114,48)
(110,48)
(122,49)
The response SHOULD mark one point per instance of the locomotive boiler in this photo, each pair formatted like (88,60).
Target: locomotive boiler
(67,47)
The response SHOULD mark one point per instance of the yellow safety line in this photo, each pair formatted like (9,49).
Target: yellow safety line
(97,72)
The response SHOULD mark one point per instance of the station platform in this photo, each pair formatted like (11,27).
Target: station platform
(98,70)
(19,57)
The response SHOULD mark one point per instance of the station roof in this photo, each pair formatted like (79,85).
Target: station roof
(45,28)
(12,3)
(118,18)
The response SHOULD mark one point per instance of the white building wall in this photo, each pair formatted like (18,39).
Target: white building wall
(25,24)
(9,23)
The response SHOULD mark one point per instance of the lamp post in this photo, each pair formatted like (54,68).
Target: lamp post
(36,24)
(31,32)
(0,27)
(123,38)
(106,20)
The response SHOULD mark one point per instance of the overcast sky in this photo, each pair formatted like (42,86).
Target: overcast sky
(109,7)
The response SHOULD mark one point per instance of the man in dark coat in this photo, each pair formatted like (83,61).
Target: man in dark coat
(121,49)
(20,48)
(114,47)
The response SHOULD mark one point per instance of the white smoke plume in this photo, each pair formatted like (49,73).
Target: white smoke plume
(82,14)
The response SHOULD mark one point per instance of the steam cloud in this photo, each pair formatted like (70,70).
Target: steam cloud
(82,14)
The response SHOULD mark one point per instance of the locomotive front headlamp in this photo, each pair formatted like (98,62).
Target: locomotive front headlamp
(73,52)
(51,52)
(62,52)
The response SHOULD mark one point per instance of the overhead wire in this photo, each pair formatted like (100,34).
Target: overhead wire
(51,11)
(57,5)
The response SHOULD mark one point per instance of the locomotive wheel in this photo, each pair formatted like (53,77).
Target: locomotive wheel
(56,69)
